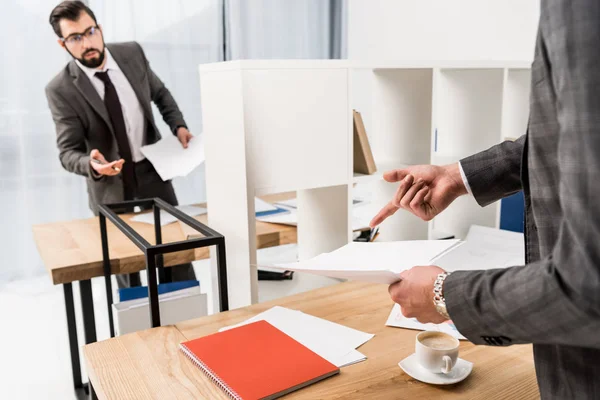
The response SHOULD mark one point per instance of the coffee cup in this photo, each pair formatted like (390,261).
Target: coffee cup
(436,351)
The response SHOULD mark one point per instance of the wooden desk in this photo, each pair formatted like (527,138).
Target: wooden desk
(72,251)
(148,364)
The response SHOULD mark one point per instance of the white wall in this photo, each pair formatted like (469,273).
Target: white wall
(442,29)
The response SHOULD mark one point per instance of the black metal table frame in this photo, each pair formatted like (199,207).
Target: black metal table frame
(154,261)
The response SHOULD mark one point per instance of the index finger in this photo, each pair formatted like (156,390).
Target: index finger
(385,212)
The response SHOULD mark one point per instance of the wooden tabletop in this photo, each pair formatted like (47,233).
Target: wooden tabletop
(72,250)
(148,364)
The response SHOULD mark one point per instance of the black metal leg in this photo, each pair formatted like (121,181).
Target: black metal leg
(134,279)
(222,276)
(72,329)
(87,305)
(164,274)
(92,392)
(81,389)
(107,273)
(152,290)
(89,320)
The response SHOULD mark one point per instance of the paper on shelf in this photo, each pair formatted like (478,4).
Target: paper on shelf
(171,160)
(166,218)
(293,203)
(334,342)
(263,206)
(378,262)
(400,321)
(291,218)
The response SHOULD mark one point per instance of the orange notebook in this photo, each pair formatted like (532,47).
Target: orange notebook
(257,361)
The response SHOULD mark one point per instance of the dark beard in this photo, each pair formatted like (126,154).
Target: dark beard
(92,62)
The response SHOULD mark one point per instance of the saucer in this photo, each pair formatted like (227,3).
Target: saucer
(411,366)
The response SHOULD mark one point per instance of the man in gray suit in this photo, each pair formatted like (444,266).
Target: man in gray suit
(100,103)
(554,300)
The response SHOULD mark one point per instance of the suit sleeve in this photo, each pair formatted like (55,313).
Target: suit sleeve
(557,299)
(70,138)
(494,173)
(161,96)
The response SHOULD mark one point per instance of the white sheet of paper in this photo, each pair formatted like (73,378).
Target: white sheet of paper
(293,203)
(398,320)
(171,160)
(378,262)
(334,342)
(262,206)
(486,248)
(166,218)
(353,357)
(291,218)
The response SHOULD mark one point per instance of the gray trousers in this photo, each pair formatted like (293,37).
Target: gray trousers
(148,185)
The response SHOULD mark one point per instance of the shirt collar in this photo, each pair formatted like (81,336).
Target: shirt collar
(110,64)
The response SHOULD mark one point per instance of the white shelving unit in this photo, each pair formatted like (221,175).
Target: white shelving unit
(276,126)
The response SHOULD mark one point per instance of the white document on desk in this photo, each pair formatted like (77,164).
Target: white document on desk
(166,218)
(334,342)
(377,262)
(486,248)
(262,206)
(398,320)
(171,160)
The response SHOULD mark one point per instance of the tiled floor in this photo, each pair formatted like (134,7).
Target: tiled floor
(34,355)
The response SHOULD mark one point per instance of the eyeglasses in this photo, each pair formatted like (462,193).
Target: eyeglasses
(76,39)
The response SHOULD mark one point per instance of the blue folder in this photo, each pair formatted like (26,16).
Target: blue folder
(271,212)
(140,292)
(512,212)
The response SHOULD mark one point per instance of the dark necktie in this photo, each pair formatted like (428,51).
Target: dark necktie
(113,106)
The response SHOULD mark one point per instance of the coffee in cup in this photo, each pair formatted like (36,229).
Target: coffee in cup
(436,351)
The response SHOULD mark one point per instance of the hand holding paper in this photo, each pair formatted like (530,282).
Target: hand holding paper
(184,136)
(414,293)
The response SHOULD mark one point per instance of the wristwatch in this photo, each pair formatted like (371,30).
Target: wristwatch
(438,295)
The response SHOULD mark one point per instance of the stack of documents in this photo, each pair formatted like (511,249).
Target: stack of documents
(334,342)
(378,262)
(180,305)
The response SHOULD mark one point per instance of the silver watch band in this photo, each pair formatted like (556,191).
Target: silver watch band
(438,294)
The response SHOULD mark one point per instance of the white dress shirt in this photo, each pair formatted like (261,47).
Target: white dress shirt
(133,114)
(464,178)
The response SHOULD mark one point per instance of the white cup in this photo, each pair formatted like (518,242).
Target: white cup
(437,352)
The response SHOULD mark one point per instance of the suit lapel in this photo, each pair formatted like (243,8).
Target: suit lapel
(85,87)
(133,77)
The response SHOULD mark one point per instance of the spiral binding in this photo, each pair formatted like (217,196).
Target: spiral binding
(230,392)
